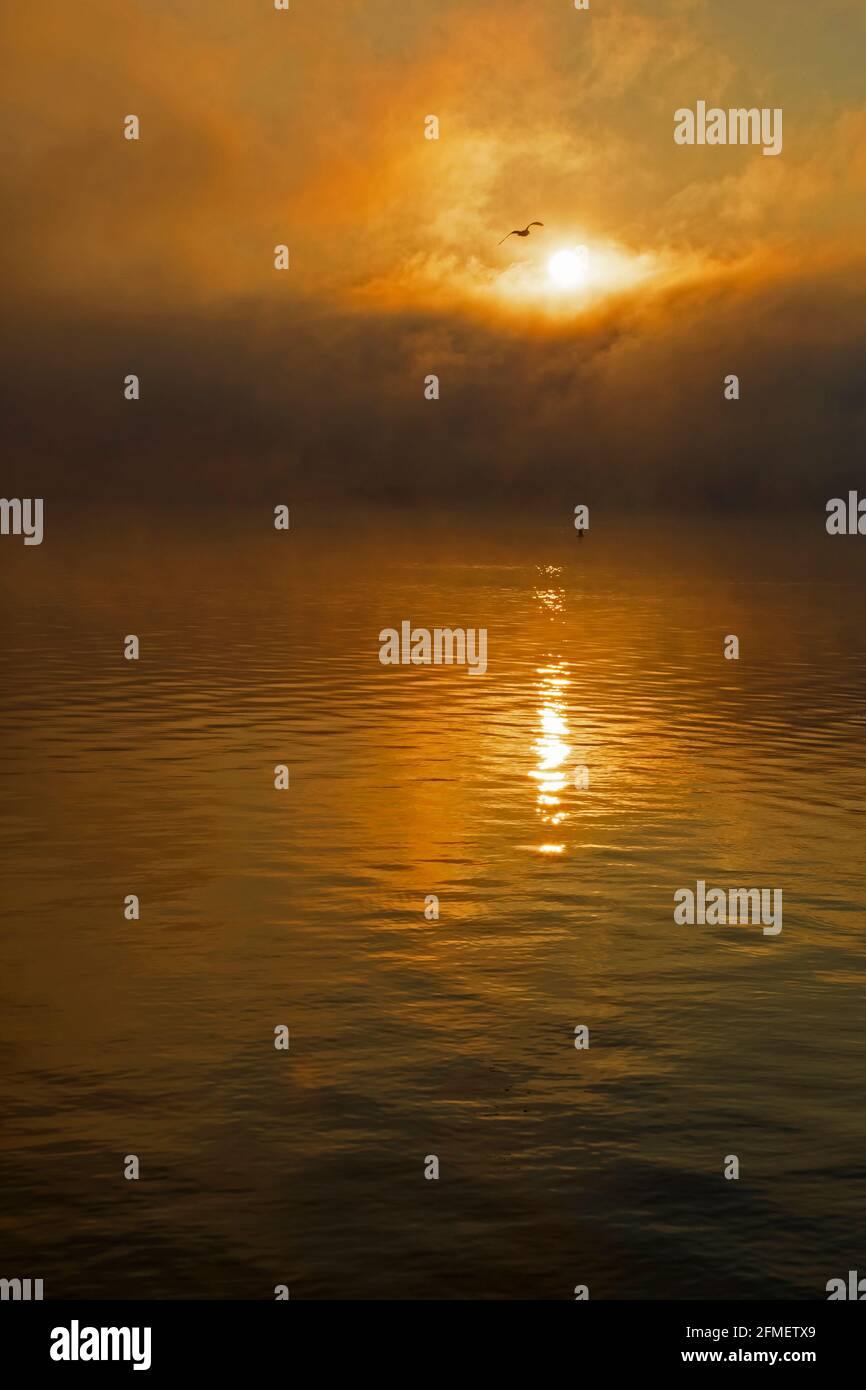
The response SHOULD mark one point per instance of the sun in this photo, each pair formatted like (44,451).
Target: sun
(567,269)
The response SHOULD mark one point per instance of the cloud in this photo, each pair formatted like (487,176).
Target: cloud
(157,256)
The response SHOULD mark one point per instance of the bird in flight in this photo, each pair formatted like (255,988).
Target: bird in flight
(525,231)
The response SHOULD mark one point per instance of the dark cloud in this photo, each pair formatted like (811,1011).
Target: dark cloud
(254,404)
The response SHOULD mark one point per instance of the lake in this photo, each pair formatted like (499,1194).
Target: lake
(609,756)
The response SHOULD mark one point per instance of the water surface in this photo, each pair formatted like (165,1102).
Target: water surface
(306,908)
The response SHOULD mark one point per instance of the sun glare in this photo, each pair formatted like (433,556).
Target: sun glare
(567,269)
(563,285)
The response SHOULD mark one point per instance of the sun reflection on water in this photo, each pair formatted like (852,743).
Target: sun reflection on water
(550,747)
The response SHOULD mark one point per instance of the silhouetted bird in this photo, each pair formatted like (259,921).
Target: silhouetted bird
(525,231)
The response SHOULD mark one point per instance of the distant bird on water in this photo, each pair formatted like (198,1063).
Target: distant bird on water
(525,231)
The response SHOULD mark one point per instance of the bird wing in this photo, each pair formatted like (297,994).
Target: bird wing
(505,238)
(536,224)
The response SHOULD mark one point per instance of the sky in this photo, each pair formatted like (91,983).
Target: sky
(307,128)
